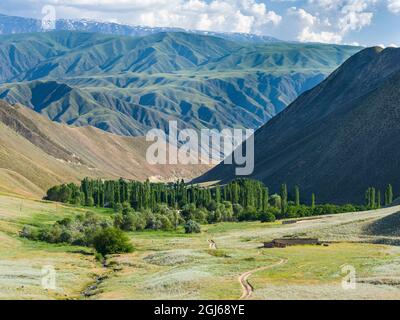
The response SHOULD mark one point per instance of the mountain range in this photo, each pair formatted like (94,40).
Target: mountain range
(36,154)
(337,139)
(128,85)
(15,25)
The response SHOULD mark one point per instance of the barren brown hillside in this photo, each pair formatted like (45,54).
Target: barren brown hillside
(36,153)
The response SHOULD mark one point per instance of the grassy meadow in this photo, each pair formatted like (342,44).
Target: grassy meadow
(173,265)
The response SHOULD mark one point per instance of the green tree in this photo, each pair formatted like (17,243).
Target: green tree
(110,241)
(192,227)
(284,199)
(313,200)
(265,199)
(373,198)
(268,216)
(297,196)
(379,200)
(389,195)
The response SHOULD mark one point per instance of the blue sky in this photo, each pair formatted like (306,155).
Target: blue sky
(364,22)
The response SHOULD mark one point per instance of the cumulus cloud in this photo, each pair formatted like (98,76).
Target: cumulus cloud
(306,35)
(394,6)
(334,21)
(310,28)
(331,20)
(249,16)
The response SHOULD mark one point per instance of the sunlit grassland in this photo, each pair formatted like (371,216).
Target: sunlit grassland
(22,261)
(174,265)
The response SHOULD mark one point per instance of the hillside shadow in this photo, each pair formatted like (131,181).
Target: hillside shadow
(386,230)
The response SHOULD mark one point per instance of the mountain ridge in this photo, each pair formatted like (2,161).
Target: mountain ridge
(14,24)
(36,154)
(130,85)
(337,139)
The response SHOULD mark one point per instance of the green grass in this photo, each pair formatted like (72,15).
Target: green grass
(222,75)
(175,265)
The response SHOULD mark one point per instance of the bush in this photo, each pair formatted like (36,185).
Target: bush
(192,227)
(189,211)
(29,233)
(200,215)
(237,211)
(275,201)
(268,216)
(77,231)
(139,222)
(248,214)
(125,222)
(110,241)
(166,224)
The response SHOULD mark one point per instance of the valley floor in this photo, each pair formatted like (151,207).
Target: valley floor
(172,265)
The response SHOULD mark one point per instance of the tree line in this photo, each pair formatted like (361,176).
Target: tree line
(374,199)
(239,200)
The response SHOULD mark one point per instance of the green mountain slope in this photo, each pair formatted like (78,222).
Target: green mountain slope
(129,85)
(339,138)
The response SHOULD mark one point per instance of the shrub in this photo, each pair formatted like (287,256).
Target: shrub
(125,222)
(275,201)
(165,223)
(248,214)
(110,241)
(212,205)
(268,216)
(192,227)
(90,202)
(29,233)
(200,215)
(189,211)
(77,231)
(237,211)
(139,222)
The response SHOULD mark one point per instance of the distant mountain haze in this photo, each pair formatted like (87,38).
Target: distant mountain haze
(337,139)
(129,85)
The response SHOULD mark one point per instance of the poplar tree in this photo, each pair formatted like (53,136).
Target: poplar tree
(313,200)
(297,196)
(284,198)
(389,195)
(379,200)
(265,199)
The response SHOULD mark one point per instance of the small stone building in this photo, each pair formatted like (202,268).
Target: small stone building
(283,243)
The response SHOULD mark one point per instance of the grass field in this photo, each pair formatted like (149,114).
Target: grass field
(172,265)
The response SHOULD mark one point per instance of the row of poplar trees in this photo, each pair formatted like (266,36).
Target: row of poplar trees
(147,195)
(373,197)
(296,198)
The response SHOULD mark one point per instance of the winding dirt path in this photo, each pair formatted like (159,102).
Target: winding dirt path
(247,288)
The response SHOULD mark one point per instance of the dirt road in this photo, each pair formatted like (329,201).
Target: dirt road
(247,288)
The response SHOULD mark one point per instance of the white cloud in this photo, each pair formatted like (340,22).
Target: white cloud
(249,16)
(312,20)
(394,6)
(310,28)
(307,35)
(332,20)
(355,21)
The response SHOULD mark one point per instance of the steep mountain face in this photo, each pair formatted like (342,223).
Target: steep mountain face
(14,25)
(129,85)
(36,153)
(337,139)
